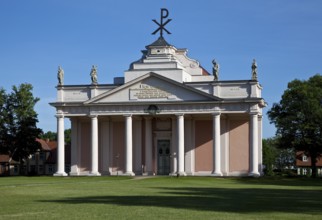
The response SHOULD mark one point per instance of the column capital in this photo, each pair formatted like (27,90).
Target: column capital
(254,113)
(93,116)
(216,113)
(179,114)
(59,116)
(127,115)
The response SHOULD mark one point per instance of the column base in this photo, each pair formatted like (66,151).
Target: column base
(60,174)
(216,174)
(181,173)
(94,174)
(254,174)
(129,174)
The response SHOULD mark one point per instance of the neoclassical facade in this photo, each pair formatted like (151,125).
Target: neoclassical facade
(166,116)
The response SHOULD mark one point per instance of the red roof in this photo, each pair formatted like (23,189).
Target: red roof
(47,145)
(4,158)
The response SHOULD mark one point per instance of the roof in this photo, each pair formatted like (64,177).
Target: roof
(160,42)
(47,145)
(301,163)
(4,158)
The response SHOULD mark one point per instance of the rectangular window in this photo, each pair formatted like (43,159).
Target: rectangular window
(42,156)
(304,158)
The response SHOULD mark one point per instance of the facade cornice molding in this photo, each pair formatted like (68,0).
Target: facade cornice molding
(165,109)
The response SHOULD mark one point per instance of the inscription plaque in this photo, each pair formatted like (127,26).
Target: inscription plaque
(149,92)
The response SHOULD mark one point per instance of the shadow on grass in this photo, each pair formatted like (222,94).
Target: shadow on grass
(281,181)
(217,199)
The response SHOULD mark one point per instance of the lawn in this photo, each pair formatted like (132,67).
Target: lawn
(160,198)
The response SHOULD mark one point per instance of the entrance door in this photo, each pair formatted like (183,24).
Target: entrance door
(163,157)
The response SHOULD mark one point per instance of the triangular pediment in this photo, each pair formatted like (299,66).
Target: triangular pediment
(152,88)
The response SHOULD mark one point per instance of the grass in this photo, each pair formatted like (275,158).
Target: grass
(159,198)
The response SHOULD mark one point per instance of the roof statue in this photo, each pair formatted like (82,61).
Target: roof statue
(254,70)
(93,74)
(215,70)
(60,76)
(161,28)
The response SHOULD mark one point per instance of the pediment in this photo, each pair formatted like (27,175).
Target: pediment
(152,88)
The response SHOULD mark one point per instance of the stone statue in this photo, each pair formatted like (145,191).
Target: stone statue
(215,70)
(93,74)
(254,70)
(60,76)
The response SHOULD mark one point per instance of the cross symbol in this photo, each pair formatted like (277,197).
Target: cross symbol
(161,28)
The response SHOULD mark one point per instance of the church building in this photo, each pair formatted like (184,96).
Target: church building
(166,116)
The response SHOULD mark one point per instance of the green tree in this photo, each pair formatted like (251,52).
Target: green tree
(3,116)
(270,153)
(298,118)
(52,136)
(68,136)
(20,125)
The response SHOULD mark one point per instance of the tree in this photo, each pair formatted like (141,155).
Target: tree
(52,136)
(298,118)
(19,129)
(49,135)
(269,155)
(3,116)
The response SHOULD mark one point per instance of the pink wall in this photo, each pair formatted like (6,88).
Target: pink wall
(118,145)
(204,145)
(239,146)
(85,162)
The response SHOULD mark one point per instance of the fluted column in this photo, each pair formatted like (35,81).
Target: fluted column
(254,144)
(148,146)
(180,143)
(216,145)
(94,135)
(60,147)
(128,146)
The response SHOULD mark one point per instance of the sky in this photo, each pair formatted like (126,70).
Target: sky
(36,36)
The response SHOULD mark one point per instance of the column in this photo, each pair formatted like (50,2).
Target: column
(94,138)
(180,143)
(148,146)
(254,144)
(216,145)
(128,145)
(60,147)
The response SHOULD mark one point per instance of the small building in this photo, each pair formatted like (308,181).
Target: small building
(42,162)
(303,164)
(8,167)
